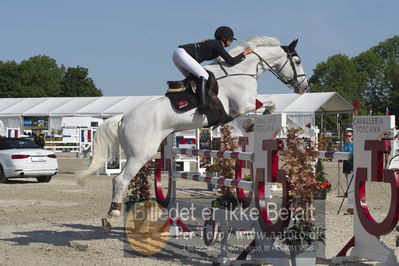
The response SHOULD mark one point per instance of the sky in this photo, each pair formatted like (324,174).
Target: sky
(127,45)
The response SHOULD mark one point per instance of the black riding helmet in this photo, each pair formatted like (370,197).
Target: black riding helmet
(224,33)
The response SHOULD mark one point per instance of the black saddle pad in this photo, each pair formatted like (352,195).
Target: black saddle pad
(185,100)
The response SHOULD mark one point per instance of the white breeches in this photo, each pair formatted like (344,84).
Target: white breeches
(186,64)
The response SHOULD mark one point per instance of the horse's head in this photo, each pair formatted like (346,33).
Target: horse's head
(268,55)
(290,70)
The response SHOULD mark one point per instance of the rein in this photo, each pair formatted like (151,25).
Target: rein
(255,76)
(292,83)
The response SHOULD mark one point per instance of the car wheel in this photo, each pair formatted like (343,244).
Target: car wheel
(3,178)
(43,179)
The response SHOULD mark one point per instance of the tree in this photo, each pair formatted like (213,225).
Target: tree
(10,85)
(372,77)
(40,76)
(77,83)
(393,98)
(368,65)
(388,51)
(338,74)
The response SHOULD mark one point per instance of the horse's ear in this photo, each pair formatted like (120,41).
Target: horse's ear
(292,45)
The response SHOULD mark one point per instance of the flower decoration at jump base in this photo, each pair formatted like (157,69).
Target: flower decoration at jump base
(325,186)
(298,157)
(213,168)
(224,168)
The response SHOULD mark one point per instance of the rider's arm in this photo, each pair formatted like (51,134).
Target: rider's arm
(247,51)
(233,60)
(228,58)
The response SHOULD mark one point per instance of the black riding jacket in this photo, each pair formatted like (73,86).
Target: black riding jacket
(209,50)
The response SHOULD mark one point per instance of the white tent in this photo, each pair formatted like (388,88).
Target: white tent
(12,110)
(73,106)
(316,103)
(325,102)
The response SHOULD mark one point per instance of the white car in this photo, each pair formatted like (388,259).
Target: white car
(21,157)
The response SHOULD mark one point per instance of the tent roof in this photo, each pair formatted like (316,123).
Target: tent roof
(319,103)
(127,103)
(326,102)
(281,101)
(71,106)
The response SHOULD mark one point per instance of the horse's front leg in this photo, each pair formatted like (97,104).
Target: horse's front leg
(116,204)
(120,184)
(113,214)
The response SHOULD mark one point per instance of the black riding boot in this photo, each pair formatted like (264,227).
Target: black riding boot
(201,95)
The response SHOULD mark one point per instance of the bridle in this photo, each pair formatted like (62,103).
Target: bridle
(291,83)
(294,82)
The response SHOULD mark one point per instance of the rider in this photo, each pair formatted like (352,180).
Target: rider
(188,58)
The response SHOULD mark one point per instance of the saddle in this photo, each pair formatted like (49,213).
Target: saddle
(183,98)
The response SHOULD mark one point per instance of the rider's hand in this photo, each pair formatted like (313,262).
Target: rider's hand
(247,51)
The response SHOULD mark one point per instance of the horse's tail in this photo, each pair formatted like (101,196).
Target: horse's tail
(105,141)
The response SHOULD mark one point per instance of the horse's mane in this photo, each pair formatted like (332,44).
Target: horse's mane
(256,41)
(253,42)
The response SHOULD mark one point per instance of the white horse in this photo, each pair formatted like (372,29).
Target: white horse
(141,131)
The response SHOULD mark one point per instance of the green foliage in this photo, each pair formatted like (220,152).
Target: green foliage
(320,174)
(372,78)
(227,201)
(368,64)
(77,83)
(40,76)
(338,74)
(301,236)
(321,177)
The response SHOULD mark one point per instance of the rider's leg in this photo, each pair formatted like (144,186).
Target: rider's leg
(186,64)
(182,70)
(201,95)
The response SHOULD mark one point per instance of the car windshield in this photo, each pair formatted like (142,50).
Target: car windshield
(17,144)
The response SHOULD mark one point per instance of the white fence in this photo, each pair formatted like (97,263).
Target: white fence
(81,142)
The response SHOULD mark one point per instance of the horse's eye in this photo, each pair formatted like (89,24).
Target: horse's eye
(297,60)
